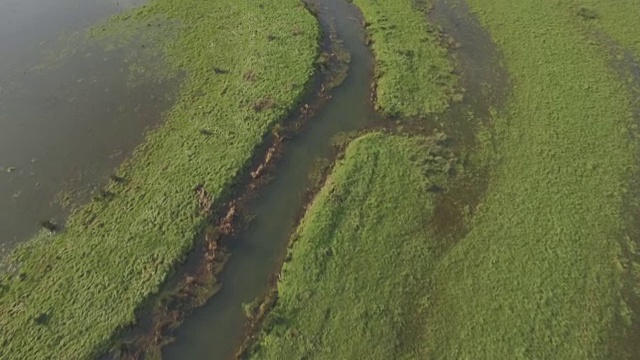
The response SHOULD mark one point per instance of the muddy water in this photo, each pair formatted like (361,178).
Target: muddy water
(64,126)
(215,330)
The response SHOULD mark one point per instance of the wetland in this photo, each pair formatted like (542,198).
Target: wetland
(323,179)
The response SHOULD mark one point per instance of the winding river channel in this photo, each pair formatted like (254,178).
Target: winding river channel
(217,328)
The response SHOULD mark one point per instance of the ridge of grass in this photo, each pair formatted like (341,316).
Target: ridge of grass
(360,256)
(540,273)
(70,293)
(414,75)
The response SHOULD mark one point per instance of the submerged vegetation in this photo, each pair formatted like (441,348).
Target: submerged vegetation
(68,294)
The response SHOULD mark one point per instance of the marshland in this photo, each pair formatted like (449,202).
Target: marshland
(408,179)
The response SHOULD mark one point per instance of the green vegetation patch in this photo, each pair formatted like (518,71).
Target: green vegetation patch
(540,274)
(245,65)
(358,268)
(414,76)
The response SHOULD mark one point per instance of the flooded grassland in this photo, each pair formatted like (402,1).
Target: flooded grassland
(245,65)
(65,124)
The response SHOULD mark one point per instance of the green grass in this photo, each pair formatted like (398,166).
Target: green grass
(360,258)
(88,280)
(618,19)
(414,76)
(541,272)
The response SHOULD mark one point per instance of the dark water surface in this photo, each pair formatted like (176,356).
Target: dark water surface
(64,124)
(216,330)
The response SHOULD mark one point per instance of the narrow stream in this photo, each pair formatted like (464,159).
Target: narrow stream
(215,330)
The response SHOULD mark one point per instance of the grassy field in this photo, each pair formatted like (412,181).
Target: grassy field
(540,274)
(245,65)
(414,76)
(357,275)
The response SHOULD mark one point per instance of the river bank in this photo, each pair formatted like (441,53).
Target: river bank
(171,322)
